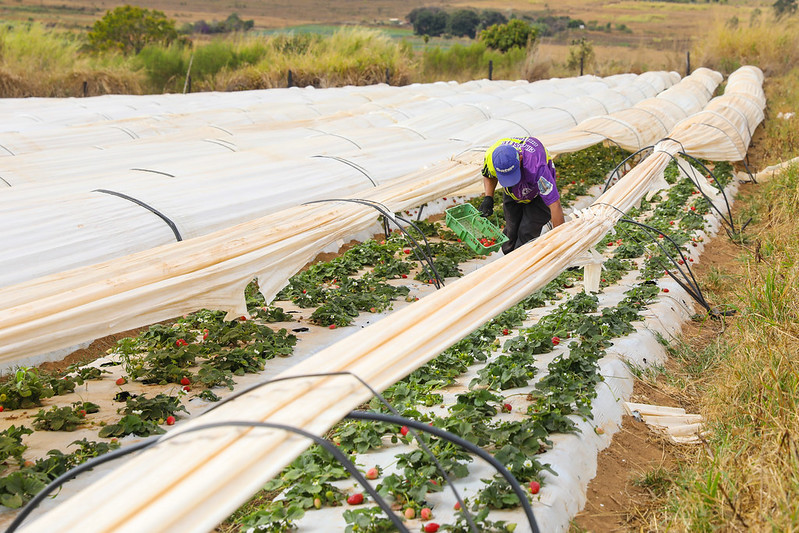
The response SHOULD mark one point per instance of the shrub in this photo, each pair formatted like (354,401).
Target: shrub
(129,29)
(514,34)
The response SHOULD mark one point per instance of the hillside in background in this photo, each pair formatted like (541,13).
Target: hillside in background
(662,25)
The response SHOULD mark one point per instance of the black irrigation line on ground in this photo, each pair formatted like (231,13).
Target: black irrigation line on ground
(616,170)
(446,435)
(691,285)
(731,222)
(387,215)
(382,400)
(152,441)
(412,425)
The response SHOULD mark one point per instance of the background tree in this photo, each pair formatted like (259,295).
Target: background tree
(784,7)
(130,28)
(516,33)
(489,17)
(464,22)
(428,21)
(580,49)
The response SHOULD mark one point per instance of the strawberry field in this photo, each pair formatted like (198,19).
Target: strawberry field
(537,387)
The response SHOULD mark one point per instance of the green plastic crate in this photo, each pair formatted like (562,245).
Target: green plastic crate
(470,227)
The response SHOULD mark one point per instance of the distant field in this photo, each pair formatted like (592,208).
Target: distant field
(653,24)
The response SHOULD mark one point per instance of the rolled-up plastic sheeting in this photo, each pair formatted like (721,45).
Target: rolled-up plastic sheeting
(202,478)
(81,311)
(190,186)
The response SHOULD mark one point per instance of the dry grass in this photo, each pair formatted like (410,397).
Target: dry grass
(771,44)
(746,477)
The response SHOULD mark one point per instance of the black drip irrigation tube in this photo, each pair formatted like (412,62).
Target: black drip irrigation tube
(388,406)
(730,222)
(423,255)
(395,418)
(691,286)
(616,170)
(498,466)
(689,282)
(88,465)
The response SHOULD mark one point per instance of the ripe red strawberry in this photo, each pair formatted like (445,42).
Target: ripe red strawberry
(693,208)
(304,291)
(243,318)
(457,506)
(82,412)
(185,381)
(507,407)
(432,527)
(187,388)
(671,222)
(121,381)
(555,340)
(404,276)
(425,513)
(665,289)
(404,430)
(372,309)
(355,499)
(372,473)
(410,513)
(505,331)
(535,486)
(332,326)
(407,251)
(170,420)
(205,337)
(2,408)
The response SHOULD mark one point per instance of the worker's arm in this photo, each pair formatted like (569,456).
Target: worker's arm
(490,185)
(557,213)
(487,205)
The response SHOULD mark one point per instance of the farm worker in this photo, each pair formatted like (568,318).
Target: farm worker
(524,170)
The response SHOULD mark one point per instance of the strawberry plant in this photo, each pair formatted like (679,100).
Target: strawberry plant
(410,490)
(11,443)
(360,436)
(209,376)
(131,425)
(157,408)
(64,418)
(86,373)
(368,520)
(273,518)
(20,486)
(308,494)
(481,521)
(24,389)
(64,385)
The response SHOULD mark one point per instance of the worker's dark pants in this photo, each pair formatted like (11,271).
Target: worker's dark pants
(523,222)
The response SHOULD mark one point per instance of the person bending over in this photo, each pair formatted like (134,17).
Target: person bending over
(524,170)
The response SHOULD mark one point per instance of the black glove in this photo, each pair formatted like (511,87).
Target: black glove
(487,206)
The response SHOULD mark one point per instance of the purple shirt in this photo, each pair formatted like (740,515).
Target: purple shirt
(538,172)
